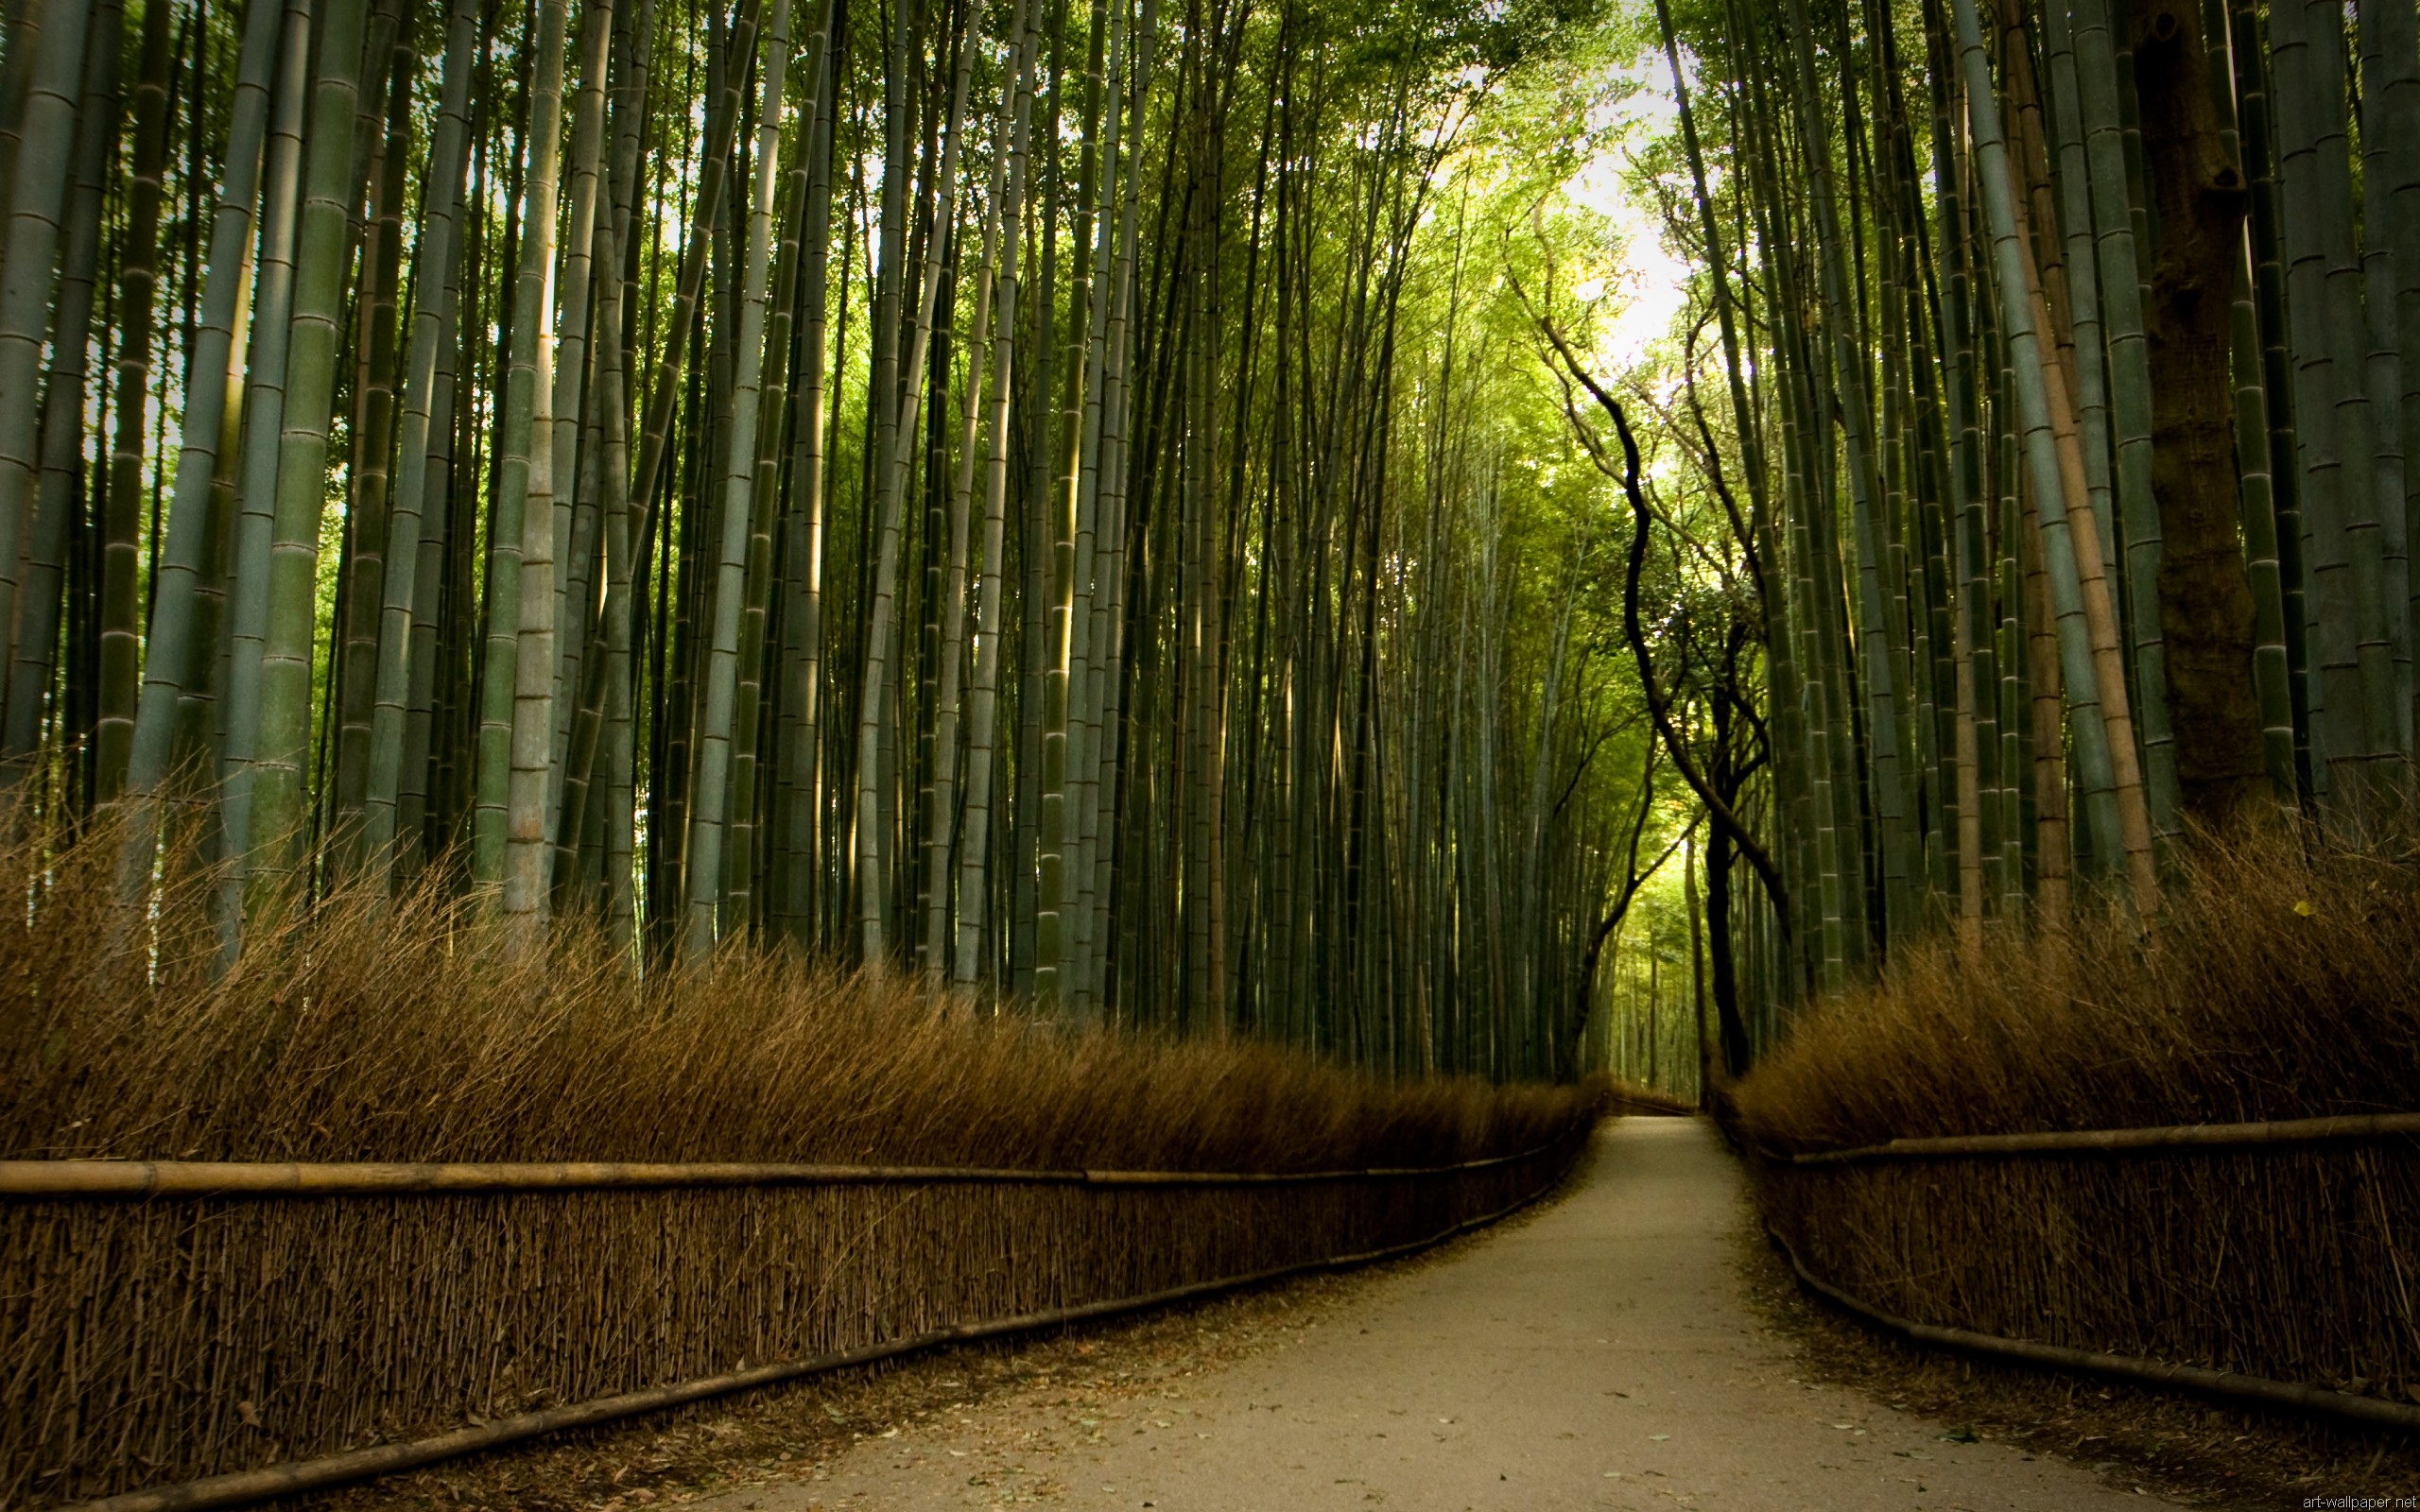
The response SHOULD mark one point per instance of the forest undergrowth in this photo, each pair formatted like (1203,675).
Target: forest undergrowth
(414,1029)
(2281,980)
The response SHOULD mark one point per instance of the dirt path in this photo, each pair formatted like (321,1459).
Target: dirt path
(1596,1356)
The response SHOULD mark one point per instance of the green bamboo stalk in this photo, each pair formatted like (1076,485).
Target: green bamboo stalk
(1055,765)
(368,555)
(1096,801)
(1782,670)
(1094,662)
(1019,893)
(2332,411)
(2052,851)
(589,831)
(24,23)
(60,476)
(743,900)
(441,572)
(138,281)
(279,810)
(872,883)
(2265,550)
(621,569)
(1826,935)
(1827,614)
(625,547)
(803,691)
(263,410)
(577,479)
(179,658)
(1932,498)
(867,835)
(412,517)
(982,707)
(663,386)
(1832,927)
(940,817)
(1982,887)
(675,713)
(2110,212)
(516,688)
(2102,741)
(710,793)
(2390,77)
(1813,896)
(37,203)
(2250,54)
(577,868)
(1879,645)
(2271,671)
(2128,826)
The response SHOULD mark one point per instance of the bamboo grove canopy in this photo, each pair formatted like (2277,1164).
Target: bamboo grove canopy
(2063,443)
(1013,489)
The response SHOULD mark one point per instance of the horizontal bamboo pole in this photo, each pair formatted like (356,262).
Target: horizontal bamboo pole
(245,1487)
(2119,1140)
(2225,1385)
(63,1179)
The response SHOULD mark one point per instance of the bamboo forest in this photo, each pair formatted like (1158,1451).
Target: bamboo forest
(949,489)
(698,693)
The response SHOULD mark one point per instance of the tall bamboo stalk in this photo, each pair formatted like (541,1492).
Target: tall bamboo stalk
(277,836)
(711,794)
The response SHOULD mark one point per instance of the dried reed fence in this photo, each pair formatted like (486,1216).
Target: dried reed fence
(171,1340)
(146,1341)
(2286,1264)
(2197,1149)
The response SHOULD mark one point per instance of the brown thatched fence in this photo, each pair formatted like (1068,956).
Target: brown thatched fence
(278,1326)
(2275,1261)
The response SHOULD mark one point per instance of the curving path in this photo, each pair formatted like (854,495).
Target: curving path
(1598,1355)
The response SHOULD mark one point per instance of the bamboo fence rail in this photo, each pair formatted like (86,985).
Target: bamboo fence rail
(164,1324)
(2115,1141)
(268,1178)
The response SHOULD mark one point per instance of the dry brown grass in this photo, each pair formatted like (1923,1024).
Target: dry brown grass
(144,1343)
(411,1033)
(2282,982)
